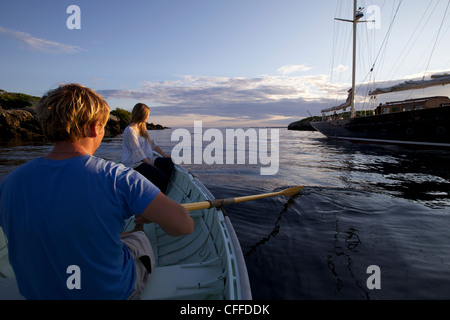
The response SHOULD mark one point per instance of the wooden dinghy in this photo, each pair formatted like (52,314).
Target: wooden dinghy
(207,264)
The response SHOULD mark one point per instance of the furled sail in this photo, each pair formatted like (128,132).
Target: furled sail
(437,79)
(344,105)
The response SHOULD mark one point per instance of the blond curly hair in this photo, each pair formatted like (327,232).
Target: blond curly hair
(66,112)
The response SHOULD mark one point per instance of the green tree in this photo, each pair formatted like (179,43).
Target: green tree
(122,114)
(10,100)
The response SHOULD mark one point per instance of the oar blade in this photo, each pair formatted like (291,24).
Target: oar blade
(291,191)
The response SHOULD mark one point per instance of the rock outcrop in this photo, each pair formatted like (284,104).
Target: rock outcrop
(303,125)
(19,124)
(22,124)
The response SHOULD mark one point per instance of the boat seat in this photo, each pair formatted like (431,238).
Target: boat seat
(9,289)
(8,285)
(197,281)
(167,283)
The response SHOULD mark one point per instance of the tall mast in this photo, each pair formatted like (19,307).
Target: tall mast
(352,105)
(357,14)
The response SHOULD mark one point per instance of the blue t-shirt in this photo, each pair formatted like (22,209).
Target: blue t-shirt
(62,213)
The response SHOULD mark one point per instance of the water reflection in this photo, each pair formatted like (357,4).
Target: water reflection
(382,205)
(277,226)
(414,174)
(307,158)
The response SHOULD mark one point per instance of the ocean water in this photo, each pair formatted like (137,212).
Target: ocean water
(363,205)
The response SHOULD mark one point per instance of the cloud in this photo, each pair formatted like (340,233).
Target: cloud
(340,68)
(268,99)
(291,68)
(203,90)
(38,44)
(242,114)
(265,99)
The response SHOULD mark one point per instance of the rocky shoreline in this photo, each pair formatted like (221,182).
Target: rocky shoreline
(21,125)
(304,124)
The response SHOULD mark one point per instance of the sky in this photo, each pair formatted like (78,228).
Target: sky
(232,63)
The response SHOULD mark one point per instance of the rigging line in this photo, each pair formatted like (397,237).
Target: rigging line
(447,65)
(341,48)
(437,36)
(383,43)
(413,91)
(387,34)
(425,54)
(394,71)
(333,48)
(371,51)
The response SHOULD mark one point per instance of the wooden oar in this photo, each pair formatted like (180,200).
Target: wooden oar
(223,202)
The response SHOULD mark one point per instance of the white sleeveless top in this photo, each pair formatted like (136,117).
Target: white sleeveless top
(136,148)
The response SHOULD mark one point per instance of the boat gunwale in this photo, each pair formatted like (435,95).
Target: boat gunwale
(241,273)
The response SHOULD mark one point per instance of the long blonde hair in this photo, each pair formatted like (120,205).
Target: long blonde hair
(139,115)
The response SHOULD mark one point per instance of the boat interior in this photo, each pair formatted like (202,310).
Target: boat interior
(197,266)
(202,265)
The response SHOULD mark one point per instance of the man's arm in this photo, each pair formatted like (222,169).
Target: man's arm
(173,218)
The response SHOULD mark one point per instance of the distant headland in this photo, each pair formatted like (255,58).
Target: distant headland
(303,124)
